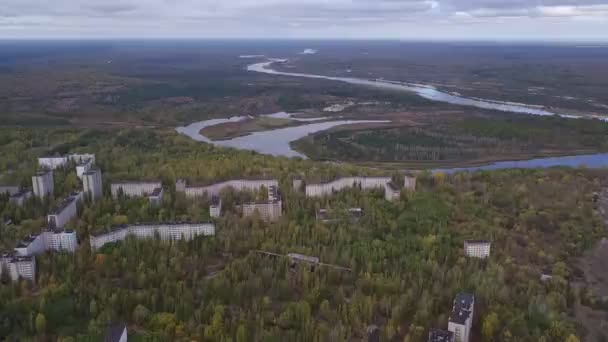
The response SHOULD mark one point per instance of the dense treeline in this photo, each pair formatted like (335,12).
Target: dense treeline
(406,257)
(472,138)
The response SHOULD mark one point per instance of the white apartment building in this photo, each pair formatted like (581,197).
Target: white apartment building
(166,232)
(135,189)
(10,189)
(66,211)
(49,240)
(83,166)
(269,211)
(215,209)
(18,267)
(477,248)
(21,197)
(323,189)
(461,318)
(91,181)
(392,192)
(52,163)
(409,183)
(156,197)
(43,184)
(81,157)
(215,189)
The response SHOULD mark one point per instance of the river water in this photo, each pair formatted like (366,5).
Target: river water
(274,142)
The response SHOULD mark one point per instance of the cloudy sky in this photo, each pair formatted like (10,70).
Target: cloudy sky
(400,19)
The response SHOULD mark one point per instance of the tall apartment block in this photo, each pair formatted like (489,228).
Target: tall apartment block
(165,231)
(135,189)
(461,318)
(43,184)
(215,208)
(92,184)
(66,211)
(436,335)
(477,248)
(215,189)
(269,211)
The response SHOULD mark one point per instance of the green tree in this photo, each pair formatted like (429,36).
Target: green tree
(40,324)
(489,326)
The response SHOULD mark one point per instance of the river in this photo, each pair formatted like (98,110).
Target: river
(427,92)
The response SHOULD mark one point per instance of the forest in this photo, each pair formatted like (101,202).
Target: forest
(406,256)
(461,140)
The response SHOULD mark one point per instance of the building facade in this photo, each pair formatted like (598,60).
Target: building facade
(165,231)
(215,189)
(477,248)
(461,318)
(392,192)
(365,183)
(18,267)
(215,208)
(43,184)
(135,189)
(21,197)
(52,163)
(92,184)
(66,211)
(409,183)
(270,211)
(83,166)
(156,197)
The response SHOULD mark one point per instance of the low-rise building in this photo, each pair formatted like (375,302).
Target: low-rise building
(215,208)
(134,189)
(43,184)
(165,231)
(92,184)
(21,197)
(436,335)
(461,318)
(477,248)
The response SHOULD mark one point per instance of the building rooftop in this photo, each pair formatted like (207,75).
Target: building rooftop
(345,177)
(43,173)
(463,307)
(116,228)
(64,204)
(91,171)
(84,162)
(216,201)
(392,186)
(114,333)
(156,192)
(436,335)
(21,193)
(137,182)
(302,257)
(477,242)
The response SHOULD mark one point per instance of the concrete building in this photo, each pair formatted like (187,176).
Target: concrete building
(92,184)
(392,192)
(83,166)
(461,318)
(436,335)
(270,211)
(52,163)
(215,208)
(215,189)
(365,183)
(81,157)
(21,197)
(165,231)
(330,216)
(43,184)
(409,183)
(477,248)
(9,189)
(116,333)
(135,189)
(18,267)
(156,197)
(66,211)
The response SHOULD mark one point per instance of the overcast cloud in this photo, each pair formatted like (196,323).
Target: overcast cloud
(401,19)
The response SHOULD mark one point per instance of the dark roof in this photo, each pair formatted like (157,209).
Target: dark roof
(473,242)
(215,201)
(84,161)
(373,334)
(156,192)
(391,185)
(64,204)
(463,308)
(436,335)
(91,171)
(114,332)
